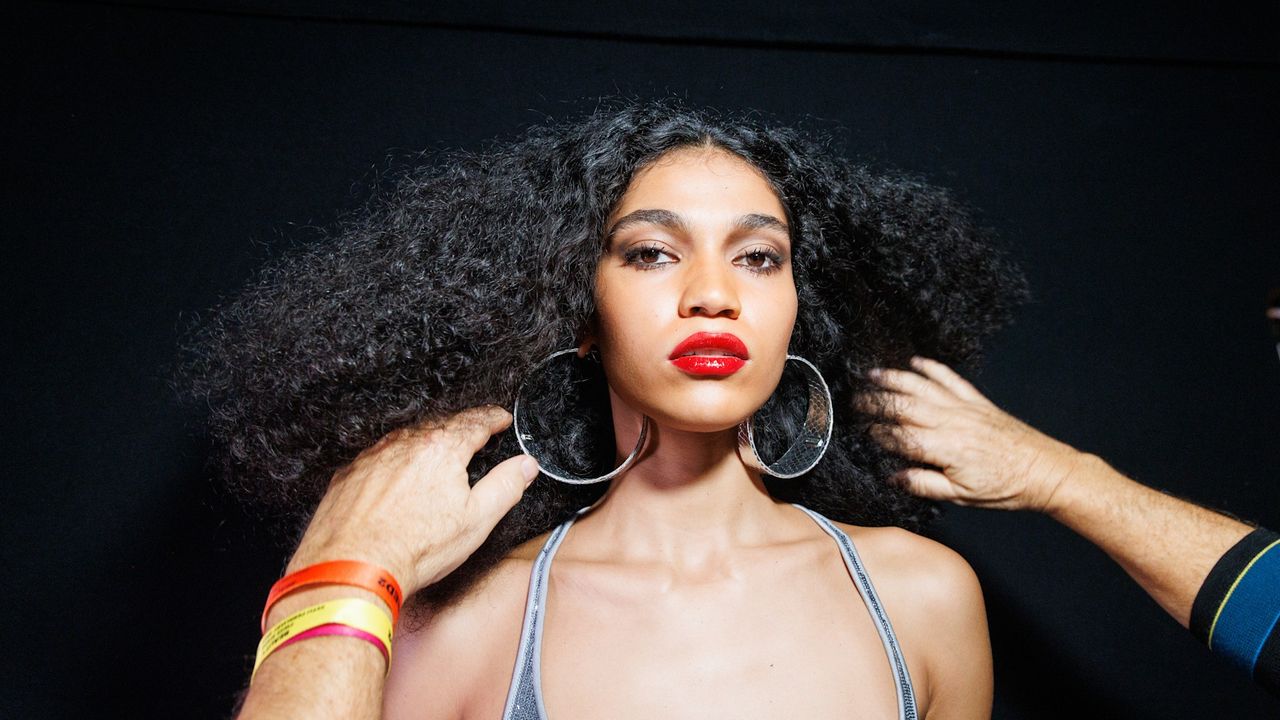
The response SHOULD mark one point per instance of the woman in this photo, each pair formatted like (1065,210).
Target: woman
(691,254)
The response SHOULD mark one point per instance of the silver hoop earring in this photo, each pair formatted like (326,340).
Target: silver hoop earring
(530,445)
(809,445)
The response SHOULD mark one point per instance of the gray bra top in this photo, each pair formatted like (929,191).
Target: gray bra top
(524,700)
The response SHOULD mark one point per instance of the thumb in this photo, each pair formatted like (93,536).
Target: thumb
(500,489)
(929,484)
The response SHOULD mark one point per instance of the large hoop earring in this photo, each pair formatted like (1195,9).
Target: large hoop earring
(811,443)
(530,445)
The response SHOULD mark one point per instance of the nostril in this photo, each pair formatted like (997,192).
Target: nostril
(699,310)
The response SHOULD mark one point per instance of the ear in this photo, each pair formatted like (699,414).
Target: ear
(587,338)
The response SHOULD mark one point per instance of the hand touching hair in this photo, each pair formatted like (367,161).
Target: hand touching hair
(444,293)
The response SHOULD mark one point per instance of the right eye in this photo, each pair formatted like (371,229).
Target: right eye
(647,257)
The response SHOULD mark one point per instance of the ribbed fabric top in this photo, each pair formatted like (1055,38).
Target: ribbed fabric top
(524,700)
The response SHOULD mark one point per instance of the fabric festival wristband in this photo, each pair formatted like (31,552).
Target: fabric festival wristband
(344,630)
(340,572)
(353,612)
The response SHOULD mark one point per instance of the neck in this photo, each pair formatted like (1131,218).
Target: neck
(686,502)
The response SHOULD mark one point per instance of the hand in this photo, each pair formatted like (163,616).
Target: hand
(405,503)
(985,457)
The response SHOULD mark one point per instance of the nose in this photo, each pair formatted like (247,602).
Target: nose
(710,291)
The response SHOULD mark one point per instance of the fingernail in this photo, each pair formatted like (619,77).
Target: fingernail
(529,467)
(874,372)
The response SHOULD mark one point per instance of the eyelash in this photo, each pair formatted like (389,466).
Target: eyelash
(632,257)
(769,254)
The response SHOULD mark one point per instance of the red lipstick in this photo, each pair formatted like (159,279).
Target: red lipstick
(710,354)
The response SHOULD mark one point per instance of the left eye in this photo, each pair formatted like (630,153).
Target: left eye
(761,259)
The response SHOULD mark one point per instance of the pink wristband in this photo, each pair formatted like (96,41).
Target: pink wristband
(340,629)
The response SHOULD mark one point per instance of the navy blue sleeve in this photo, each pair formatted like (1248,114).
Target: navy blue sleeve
(1237,608)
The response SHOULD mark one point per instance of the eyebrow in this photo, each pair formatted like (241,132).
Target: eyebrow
(676,222)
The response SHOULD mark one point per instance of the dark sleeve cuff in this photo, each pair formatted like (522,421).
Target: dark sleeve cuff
(1236,610)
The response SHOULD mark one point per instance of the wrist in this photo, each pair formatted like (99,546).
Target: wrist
(1058,476)
(306,597)
(1078,485)
(309,554)
(306,639)
(346,573)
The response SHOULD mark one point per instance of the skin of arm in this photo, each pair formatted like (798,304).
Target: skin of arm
(938,611)
(961,678)
(405,505)
(985,457)
(1167,545)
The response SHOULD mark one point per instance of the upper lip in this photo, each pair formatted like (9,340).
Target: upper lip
(722,343)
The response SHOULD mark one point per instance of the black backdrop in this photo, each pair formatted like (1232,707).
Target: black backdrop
(154,155)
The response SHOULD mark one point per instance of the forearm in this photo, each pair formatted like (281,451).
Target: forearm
(405,506)
(1214,575)
(322,678)
(1167,545)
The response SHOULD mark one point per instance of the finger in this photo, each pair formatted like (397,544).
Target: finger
(884,433)
(900,408)
(920,444)
(948,378)
(926,483)
(898,439)
(905,381)
(499,490)
(472,428)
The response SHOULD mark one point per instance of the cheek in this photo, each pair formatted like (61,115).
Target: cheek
(622,320)
(628,301)
(781,312)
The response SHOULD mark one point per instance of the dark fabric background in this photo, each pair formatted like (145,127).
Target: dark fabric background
(154,155)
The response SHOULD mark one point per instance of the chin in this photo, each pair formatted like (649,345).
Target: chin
(707,425)
(704,415)
(709,406)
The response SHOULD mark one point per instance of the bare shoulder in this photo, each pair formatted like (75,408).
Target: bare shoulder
(472,642)
(900,560)
(934,601)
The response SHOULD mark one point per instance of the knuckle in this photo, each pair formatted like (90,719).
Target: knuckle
(485,414)
(397,435)
(433,437)
(462,419)
(515,488)
(890,377)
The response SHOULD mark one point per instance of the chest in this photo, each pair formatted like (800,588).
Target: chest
(778,642)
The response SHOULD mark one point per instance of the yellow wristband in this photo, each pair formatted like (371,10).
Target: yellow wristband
(353,612)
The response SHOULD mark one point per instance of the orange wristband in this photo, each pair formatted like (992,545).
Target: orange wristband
(339,572)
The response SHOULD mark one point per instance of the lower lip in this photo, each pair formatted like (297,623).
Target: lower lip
(709,364)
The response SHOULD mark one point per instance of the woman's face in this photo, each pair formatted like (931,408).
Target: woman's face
(694,293)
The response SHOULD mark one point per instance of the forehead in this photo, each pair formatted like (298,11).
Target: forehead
(700,179)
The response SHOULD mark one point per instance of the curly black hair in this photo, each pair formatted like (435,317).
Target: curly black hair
(446,289)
